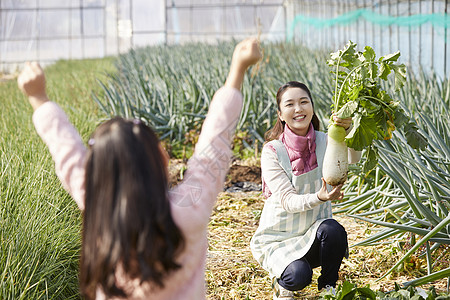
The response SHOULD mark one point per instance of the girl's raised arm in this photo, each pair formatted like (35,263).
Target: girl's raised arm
(55,129)
(245,54)
(208,166)
(32,82)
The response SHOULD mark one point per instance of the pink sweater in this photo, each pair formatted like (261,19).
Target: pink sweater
(192,200)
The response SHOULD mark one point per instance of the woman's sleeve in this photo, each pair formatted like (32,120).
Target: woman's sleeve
(206,169)
(353,156)
(281,187)
(65,146)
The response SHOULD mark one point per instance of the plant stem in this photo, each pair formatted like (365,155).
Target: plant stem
(346,78)
(336,84)
(379,101)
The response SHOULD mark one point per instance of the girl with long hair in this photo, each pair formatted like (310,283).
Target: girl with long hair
(141,240)
(297,232)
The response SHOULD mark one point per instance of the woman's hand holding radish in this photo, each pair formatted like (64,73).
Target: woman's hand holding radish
(346,123)
(335,194)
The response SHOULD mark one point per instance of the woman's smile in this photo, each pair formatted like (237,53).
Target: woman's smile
(299,118)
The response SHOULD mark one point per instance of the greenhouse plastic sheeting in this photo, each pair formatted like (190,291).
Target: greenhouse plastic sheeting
(47,30)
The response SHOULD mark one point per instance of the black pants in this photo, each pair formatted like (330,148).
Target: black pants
(328,250)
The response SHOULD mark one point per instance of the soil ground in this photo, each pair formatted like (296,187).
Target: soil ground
(232,272)
(240,171)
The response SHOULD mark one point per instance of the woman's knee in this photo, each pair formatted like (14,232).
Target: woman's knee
(296,276)
(331,230)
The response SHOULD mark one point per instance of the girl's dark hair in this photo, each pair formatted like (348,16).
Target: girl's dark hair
(278,128)
(127,221)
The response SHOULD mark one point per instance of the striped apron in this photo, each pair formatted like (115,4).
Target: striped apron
(283,237)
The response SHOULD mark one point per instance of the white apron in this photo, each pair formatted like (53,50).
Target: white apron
(283,237)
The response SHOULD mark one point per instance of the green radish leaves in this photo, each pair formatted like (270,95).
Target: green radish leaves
(364,131)
(400,76)
(358,94)
(348,109)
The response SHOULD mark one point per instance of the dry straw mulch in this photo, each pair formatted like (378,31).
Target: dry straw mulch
(232,273)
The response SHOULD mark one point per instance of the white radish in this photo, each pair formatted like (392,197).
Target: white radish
(335,162)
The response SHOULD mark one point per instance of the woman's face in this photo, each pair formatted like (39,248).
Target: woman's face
(296,110)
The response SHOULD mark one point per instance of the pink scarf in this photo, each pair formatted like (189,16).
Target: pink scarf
(301,151)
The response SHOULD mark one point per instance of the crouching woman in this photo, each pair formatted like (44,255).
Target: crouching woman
(297,232)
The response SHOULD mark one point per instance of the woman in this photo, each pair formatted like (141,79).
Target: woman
(296,231)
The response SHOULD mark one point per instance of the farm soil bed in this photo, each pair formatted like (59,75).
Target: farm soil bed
(240,171)
(232,272)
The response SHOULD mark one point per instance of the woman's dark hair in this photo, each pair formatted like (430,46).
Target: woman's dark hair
(278,128)
(127,221)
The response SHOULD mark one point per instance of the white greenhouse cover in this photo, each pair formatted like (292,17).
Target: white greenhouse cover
(48,30)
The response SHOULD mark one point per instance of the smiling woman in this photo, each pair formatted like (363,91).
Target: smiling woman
(296,231)
(296,110)
(278,128)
